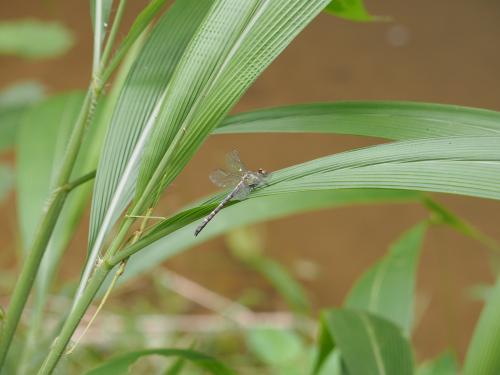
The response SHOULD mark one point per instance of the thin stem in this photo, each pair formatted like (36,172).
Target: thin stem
(71,323)
(46,227)
(79,181)
(112,34)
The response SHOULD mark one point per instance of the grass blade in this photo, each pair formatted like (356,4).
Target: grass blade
(482,355)
(353,10)
(387,289)
(144,86)
(390,120)
(120,365)
(368,344)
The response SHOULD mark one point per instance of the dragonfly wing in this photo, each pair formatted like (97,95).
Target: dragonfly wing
(241,193)
(223,179)
(234,163)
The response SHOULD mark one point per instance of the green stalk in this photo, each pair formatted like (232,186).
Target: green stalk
(61,342)
(46,227)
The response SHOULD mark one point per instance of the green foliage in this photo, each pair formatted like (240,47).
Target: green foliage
(482,355)
(353,10)
(34,39)
(14,100)
(389,120)
(445,364)
(387,289)
(368,344)
(121,364)
(282,350)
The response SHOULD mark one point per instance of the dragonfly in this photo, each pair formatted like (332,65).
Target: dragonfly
(237,176)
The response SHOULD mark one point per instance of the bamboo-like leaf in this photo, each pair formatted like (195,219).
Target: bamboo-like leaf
(34,39)
(121,364)
(387,289)
(482,355)
(176,235)
(390,120)
(203,92)
(14,100)
(353,10)
(368,344)
(445,364)
(6,179)
(134,115)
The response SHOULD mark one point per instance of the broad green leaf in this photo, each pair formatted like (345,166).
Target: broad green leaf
(14,100)
(275,347)
(6,179)
(247,246)
(445,364)
(332,365)
(134,114)
(367,343)
(387,289)
(34,39)
(193,109)
(353,10)
(482,355)
(121,364)
(390,120)
(177,234)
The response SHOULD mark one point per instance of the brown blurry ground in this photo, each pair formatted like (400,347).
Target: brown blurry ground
(435,51)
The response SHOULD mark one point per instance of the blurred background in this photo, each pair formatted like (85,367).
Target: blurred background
(433,51)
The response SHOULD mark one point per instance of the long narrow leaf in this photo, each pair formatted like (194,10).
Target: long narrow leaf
(121,364)
(390,120)
(369,345)
(271,27)
(135,109)
(482,355)
(387,289)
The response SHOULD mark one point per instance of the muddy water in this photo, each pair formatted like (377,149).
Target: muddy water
(442,51)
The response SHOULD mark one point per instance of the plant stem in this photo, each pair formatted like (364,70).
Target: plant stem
(44,231)
(61,342)
(112,34)
(79,181)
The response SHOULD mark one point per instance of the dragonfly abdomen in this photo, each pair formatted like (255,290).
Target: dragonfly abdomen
(217,209)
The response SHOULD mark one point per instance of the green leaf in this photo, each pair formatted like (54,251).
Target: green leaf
(445,364)
(177,234)
(14,100)
(6,180)
(353,10)
(121,364)
(233,46)
(368,344)
(137,107)
(482,355)
(275,347)
(387,289)
(390,120)
(34,39)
